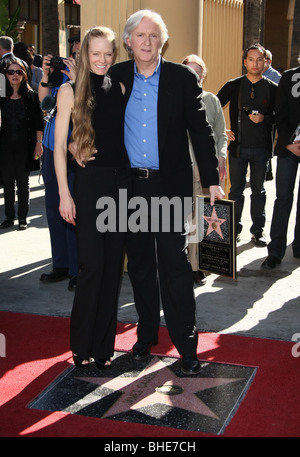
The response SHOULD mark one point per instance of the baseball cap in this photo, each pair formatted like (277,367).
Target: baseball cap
(74,39)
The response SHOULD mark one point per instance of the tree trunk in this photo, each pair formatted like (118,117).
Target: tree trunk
(254,12)
(50,27)
(295,48)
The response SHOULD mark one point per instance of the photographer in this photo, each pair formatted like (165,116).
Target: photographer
(251,100)
(56,71)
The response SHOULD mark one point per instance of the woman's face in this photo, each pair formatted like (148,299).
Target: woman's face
(15,74)
(101,55)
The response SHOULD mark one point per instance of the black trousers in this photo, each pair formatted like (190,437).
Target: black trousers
(14,175)
(159,268)
(100,256)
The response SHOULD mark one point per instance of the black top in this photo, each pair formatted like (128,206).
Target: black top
(14,124)
(254,97)
(32,121)
(108,122)
(232,92)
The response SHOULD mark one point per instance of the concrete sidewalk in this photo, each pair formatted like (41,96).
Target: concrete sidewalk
(258,303)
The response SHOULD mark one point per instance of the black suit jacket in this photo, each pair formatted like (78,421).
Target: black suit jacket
(180,110)
(287,111)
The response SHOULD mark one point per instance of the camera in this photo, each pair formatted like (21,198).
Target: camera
(249,110)
(57,62)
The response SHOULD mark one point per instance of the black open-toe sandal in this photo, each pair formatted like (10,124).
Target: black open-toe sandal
(78,361)
(102,363)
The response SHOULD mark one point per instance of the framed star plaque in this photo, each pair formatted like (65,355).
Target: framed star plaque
(216,236)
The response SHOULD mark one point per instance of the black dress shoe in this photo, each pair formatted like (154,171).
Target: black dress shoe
(190,364)
(271,262)
(259,239)
(6,224)
(57,274)
(200,278)
(22,225)
(141,349)
(72,284)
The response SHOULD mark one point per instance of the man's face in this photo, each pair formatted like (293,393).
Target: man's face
(255,62)
(145,41)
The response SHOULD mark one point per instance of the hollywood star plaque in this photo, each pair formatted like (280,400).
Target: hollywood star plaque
(216,236)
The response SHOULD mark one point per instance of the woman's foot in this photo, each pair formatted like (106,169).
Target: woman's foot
(102,363)
(79,362)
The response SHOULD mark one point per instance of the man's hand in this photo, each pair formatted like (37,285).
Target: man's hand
(216,193)
(294,148)
(256,118)
(72,147)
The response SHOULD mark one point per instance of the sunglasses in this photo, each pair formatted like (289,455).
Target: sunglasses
(12,72)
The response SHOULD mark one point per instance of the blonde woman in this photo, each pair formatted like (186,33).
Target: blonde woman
(98,109)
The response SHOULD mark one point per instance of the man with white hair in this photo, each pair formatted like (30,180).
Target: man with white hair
(164,102)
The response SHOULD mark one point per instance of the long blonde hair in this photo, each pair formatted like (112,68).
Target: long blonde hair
(83,133)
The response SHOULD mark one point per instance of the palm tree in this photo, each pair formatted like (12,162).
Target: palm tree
(50,27)
(8,24)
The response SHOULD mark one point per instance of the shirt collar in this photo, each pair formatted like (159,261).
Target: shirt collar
(157,68)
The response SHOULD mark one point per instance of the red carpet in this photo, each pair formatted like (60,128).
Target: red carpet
(37,351)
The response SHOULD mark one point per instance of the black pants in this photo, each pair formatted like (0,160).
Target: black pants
(100,256)
(158,267)
(14,175)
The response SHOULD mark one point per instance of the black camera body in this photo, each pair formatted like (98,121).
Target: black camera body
(247,110)
(57,62)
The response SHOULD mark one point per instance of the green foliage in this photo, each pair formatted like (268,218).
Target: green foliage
(8,24)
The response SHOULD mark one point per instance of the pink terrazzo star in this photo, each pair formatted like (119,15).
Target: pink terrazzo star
(214,223)
(158,384)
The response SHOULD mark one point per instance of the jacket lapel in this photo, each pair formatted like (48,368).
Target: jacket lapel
(165,96)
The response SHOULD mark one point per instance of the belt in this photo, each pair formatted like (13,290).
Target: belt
(144,173)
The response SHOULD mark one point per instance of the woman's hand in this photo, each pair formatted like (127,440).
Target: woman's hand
(67,209)
(231,135)
(38,150)
(71,64)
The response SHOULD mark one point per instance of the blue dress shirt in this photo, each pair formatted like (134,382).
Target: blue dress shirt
(141,136)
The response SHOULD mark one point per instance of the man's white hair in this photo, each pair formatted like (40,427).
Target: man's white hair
(134,20)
